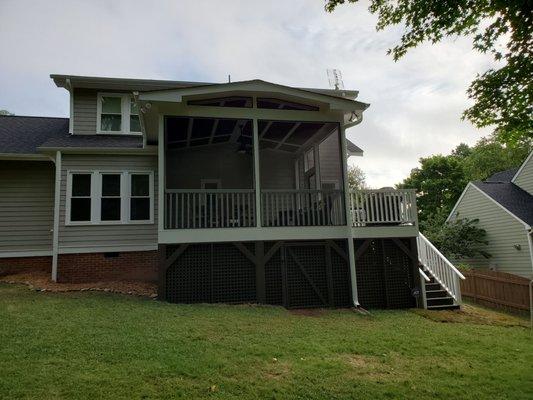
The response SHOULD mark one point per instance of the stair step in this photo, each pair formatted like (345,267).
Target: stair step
(432,294)
(433,286)
(440,301)
(444,307)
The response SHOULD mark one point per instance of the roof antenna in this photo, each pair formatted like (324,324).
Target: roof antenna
(335,79)
(229,78)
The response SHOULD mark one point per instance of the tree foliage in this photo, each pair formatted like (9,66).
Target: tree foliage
(356,178)
(460,239)
(503,97)
(5,112)
(440,180)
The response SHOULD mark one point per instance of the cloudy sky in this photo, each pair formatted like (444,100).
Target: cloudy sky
(416,103)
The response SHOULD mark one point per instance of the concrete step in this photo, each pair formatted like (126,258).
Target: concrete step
(440,301)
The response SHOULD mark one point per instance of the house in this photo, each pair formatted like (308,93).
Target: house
(232,192)
(504,206)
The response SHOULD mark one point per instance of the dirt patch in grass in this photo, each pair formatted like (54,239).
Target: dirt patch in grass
(474,314)
(40,281)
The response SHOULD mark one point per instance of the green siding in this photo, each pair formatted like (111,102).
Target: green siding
(26,206)
(125,236)
(525,178)
(503,232)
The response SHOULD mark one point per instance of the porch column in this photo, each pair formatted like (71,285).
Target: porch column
(257,175)
(351,250)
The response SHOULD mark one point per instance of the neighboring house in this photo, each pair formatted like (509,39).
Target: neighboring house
(504,206)
(232,192)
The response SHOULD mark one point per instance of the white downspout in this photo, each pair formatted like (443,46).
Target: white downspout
(71,107)
(55,232)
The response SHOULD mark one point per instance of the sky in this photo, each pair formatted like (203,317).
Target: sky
(415,103)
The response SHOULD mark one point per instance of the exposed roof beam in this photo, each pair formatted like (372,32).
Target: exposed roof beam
(291,131)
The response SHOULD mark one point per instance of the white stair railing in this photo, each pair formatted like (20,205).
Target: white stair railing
(443,270)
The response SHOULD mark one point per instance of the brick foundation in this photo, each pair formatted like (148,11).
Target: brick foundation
(25,264)
(97,267)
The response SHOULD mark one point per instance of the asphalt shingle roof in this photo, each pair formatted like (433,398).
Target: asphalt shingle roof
(23,135)
(503,176)
(95,141)
(510,196)
(352,147)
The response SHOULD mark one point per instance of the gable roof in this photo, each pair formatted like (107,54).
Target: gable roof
(23,135)
(142,85)
(338,99)
(502,176)
(515,200)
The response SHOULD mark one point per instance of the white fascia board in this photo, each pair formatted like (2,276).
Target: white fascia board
(177,95)
(24,157)
(522,167)
(147,151)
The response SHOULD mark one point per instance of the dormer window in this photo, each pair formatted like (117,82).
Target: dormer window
(117,114)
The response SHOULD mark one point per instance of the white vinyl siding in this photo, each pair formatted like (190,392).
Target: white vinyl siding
(116,236)
(525,177)
(503,233)
(26,206)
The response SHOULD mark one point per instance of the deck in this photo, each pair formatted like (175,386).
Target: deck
(220,215)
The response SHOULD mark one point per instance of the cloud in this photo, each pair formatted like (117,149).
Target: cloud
(416,103)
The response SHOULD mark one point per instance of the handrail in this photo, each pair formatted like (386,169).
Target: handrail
(302,207)
(423,275)
(210,191)
(383,206)
(440,267)
(442,256)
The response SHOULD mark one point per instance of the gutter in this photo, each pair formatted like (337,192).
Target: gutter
(148,150)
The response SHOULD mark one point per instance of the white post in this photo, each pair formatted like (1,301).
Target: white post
(161,214)
(257,173)
(351,249)
(55,232)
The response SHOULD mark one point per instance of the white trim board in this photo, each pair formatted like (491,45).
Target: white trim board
(522,167)
(491,199)
(107,249)
(26,253)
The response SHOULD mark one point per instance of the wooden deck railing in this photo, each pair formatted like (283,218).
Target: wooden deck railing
(302,208)
(192,209)
(383,207)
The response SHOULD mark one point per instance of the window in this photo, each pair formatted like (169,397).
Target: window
(120,197)
(140,197)
(110,201)
(135,123)
(80,201)
(117,113)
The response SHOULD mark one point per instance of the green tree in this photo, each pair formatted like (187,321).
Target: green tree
(488,157)
(356,178)
(5,112)
(438,182)
(460,239)
(503,96)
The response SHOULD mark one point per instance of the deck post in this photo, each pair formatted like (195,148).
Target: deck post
(257,175)
(348,214)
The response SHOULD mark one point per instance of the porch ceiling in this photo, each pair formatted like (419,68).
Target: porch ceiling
(284,136)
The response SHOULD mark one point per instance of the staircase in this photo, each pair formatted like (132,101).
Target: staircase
(440,280)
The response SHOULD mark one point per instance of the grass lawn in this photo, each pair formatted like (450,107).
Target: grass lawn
(93,345)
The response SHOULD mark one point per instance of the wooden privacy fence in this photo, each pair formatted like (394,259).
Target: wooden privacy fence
(496,289)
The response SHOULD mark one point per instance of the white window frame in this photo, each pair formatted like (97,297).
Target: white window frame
(125,107)
(150,192)
(96,197)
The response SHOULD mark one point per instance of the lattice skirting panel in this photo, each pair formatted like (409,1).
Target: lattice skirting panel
(292,274)
(386,271)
